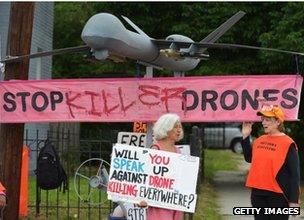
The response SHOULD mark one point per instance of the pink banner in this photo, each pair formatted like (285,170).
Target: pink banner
(195,99)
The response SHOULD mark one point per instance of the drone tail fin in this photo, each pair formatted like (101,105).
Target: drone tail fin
(217,33)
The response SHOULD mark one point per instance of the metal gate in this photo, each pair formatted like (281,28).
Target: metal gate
(54,204)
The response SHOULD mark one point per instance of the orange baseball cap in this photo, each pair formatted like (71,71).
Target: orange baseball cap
(272,111)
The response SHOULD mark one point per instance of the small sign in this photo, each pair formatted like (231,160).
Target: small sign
(184,149)
(135,212)
(132,139)
(140,127)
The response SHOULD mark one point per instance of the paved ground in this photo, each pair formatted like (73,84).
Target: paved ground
(233,193)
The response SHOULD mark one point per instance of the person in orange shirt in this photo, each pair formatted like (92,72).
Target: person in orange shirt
(2,196)
(274,175)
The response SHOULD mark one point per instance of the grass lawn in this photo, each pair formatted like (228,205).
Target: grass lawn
(215,160)
(57,203)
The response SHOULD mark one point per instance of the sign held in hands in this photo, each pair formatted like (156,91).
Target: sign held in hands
(162,179)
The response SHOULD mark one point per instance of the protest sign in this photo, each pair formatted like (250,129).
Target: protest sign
(134,212)
(184,149)
(140,127)
(132,139)
(162,179)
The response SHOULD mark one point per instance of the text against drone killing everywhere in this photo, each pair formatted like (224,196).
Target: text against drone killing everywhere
(138,174)
(114,100)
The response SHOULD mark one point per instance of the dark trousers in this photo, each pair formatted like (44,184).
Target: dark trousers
(275,200)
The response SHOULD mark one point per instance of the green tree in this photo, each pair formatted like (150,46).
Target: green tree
(267,24)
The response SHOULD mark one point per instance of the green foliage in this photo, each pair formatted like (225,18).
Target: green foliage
(224,161)
(268,24)
(207,207)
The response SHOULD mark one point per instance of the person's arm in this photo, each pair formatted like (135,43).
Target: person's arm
(293,166)
(247,149)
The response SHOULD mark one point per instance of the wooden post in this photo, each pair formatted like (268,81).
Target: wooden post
(11,135)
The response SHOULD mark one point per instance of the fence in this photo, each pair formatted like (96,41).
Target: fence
(54,204)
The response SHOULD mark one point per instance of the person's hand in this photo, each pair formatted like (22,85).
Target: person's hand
(246,129)
(2,200)
(143,204)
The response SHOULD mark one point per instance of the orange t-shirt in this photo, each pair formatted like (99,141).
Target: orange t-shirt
(268,156)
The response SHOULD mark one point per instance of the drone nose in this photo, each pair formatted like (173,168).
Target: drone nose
(100,28)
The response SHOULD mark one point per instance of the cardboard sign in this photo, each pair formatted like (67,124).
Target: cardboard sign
(132,139)
(162,179)
(134,212)
(184,149)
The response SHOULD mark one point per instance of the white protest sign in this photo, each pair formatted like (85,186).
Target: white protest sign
(162,179)
(184,149)
(132,139)
(134,212)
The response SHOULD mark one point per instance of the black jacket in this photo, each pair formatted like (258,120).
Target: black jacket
(288,176)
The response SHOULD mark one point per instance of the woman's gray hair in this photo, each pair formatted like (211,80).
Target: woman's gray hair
(165,124)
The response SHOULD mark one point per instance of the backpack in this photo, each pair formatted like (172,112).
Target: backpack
(50,173)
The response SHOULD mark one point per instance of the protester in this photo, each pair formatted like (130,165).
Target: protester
(274,175)
(166,131)
(2,196)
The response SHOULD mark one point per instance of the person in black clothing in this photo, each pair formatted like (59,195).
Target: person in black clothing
(274,175)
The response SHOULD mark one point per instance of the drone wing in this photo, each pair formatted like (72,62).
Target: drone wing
(183,49)
(11,59)
(197,49)
(217,33)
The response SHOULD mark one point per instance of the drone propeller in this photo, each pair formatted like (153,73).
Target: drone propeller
(77,49)
(91,180)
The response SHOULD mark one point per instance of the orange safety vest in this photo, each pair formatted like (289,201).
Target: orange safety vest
(268,156)
(2,188)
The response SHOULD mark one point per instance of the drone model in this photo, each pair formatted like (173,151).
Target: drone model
(107,38)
